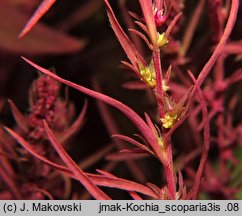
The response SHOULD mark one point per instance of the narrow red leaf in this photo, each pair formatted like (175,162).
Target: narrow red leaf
(135,85)
(64,136)
(143,37)
(105,173)
(131,67)
(206,138)
(29,148)
(82,177)
(122,184)
(96,179)
(147,9)
(134,195)
(142,26)
(134,142)
(133,116)
(134,15)
(155,188)
(41,10)
(127,155)
(150,123)
(41,40)
(172,24)
(21,120)
(125,42)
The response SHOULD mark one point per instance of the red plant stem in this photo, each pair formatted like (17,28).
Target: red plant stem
(169,171)
(228,29)
(216,19)
(190,30)
(206,137)
(158,73)
(219,69)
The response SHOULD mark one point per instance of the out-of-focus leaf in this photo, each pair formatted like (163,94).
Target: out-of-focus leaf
(41,40)
(40,11)
(125,42)
(82,177)
(21,120)
(62,137)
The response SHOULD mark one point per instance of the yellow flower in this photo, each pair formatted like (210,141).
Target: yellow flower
(162,40)
(161,142)
(148,75)
(165,87)
(168,121)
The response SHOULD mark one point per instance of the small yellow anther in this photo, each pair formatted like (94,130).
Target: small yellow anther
(168,121)
(165,87)
(162,40)
(148,75)
(161,141)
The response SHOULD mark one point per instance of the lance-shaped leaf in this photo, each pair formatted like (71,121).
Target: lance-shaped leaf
(134,142)
(206,138)
(155,188)
(41,10)
(41,40)
(21,120)
(68,133)
(128,154)
(133,116)
(32,151)
(122,184)
(147,9)
(172,24)
(96,179)
(82,177)
(133,194)
(131,52)
(134,85)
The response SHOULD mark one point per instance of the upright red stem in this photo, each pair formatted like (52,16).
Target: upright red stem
(169,171)
(228,29)
(158,73)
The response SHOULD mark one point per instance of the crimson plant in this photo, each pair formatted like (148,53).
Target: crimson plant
(199,98)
